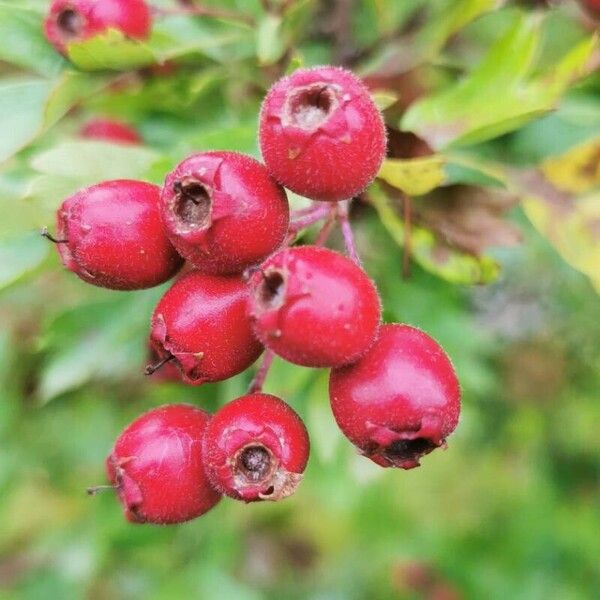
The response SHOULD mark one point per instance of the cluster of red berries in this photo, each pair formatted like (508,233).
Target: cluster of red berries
(393,390)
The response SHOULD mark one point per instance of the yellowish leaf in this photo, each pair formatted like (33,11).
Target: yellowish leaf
(414,176)
(577,171)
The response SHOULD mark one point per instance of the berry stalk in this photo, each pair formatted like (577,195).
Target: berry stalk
(342,212)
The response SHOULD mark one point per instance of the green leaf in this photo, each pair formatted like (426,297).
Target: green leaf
(20,256)
(22,41)
(269,40)
(29,106)
(22,104)
(89,161)
(415,176)
(384,98)
(447,19)
(100,340)
(110,51)
(172,38)
(498,96)
(451,265)
(70,166)
(570,224)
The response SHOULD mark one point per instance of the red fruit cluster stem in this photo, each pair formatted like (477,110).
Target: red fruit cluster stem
(327,228)
(261,374)
(342,211)
(307,217)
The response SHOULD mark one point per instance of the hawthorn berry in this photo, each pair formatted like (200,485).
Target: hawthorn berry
(201,325)
(321,134)
(314,307)
(156,466)
(77,20)
(111,235)
(400,401)
(255,448)
(223,212)
(110,131)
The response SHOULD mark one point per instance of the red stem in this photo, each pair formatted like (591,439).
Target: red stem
(261,374)
(342,212)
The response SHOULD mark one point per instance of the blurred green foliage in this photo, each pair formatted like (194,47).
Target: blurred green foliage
(510,510)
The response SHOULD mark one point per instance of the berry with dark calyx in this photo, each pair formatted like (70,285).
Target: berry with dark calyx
(110,131)
(321,134)
(71,21)
(256,448)
(400,401)
(201,325)
(111,235)
(223,212)
(156,466)
(314,307)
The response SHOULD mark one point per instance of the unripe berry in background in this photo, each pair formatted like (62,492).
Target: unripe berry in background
(111,235)
(321,134)
(223,212)
(157,466)
(201,325)
(400,401)
(256,448)
(77,20)
(111,131)
(314,307)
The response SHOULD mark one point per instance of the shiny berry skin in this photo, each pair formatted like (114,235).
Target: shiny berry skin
(321,134)
(201,322)
(111,235)
(314,307)
(111,131)
(223,212)
(77,20)
(256,448)
(157,466)
(400,401)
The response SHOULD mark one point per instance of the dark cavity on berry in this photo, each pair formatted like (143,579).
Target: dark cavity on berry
(70,23)
(192,203)
(402,450)
(271,290)
(254,463)
(310,106)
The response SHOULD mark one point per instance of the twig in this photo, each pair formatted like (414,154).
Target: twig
(407,251)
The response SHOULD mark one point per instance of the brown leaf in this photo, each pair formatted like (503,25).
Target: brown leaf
(469,218)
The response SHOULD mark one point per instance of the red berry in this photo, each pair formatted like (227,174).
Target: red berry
(202,326)
(111,235)
(314,307)
(321,134)
(592,7)
(400,401)
(223,212)
(157,467)
(256,448)
(77,20)
(111,131)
